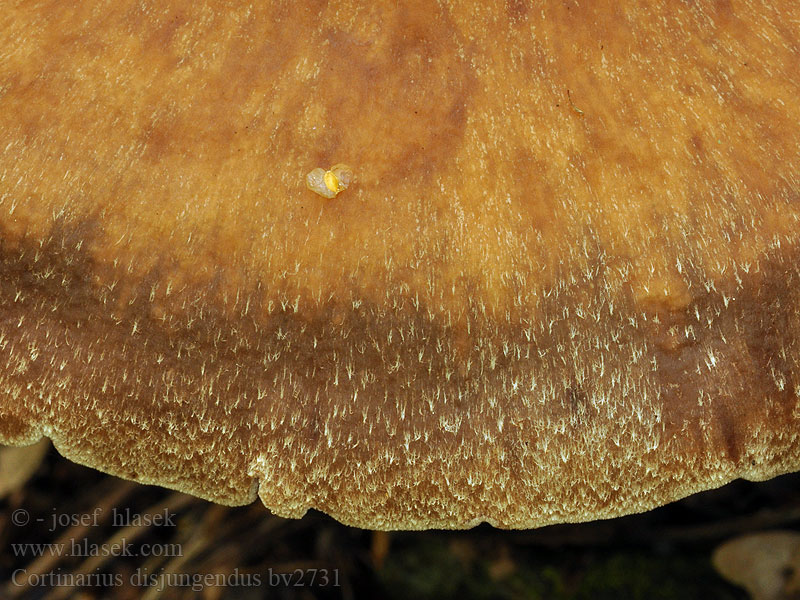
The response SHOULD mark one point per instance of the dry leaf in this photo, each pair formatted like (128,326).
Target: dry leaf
(17,464)
(762,563)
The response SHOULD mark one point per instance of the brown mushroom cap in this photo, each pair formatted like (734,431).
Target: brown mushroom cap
(564,285)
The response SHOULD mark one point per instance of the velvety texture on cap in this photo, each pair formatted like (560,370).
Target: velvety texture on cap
(563,285)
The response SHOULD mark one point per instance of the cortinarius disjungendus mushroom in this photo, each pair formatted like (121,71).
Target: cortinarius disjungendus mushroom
(564,285)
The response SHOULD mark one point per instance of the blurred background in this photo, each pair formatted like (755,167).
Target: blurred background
(71,532)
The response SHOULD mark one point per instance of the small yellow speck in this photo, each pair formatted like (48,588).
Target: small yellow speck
(330,183)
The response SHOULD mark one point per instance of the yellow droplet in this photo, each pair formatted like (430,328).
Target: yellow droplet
(331,182)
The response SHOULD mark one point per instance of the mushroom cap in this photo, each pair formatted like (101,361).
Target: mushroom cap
(563,287)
